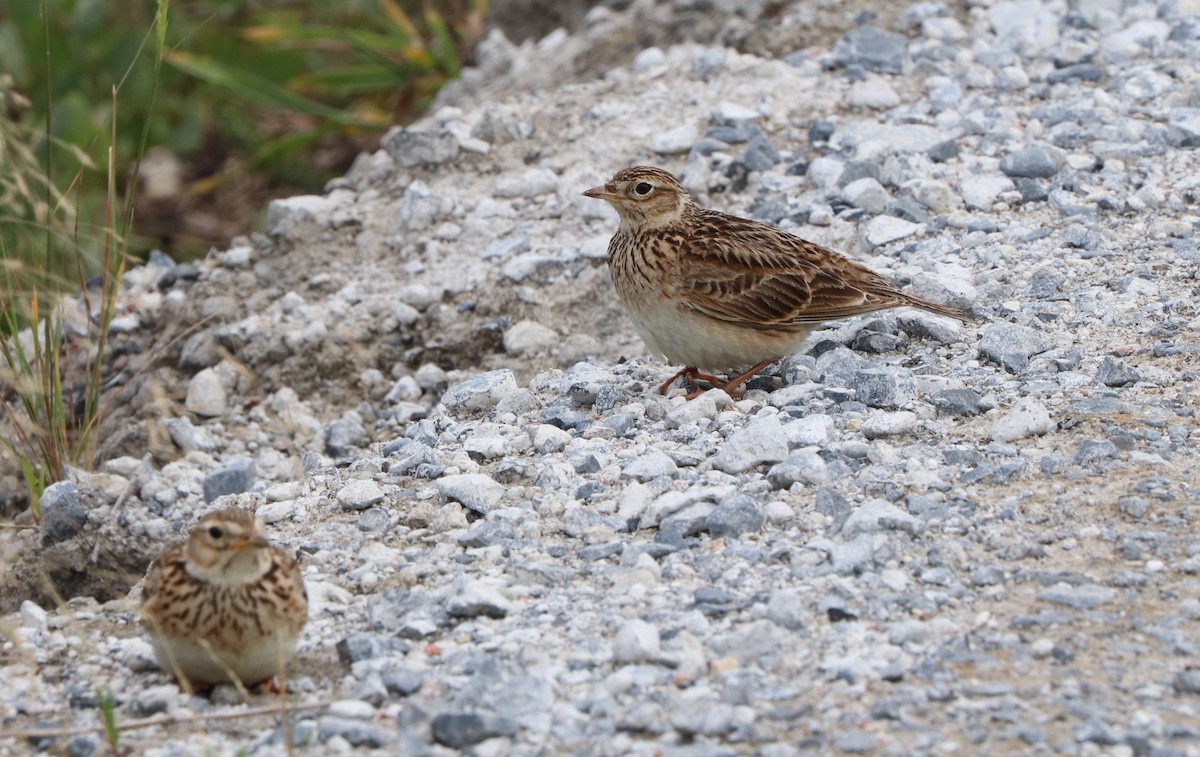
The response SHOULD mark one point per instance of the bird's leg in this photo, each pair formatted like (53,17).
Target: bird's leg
(731,386)
(271,685)
(690,375)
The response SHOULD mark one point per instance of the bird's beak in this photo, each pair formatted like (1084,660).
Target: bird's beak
(602,193)
(256,541)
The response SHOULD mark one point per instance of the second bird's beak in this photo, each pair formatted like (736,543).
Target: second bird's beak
(601,193)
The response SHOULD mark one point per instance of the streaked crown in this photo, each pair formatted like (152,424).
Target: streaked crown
(644,197)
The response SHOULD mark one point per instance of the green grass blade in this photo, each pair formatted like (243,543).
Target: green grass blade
(257,89)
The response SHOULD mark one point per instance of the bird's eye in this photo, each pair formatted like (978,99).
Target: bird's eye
(642,189)
(215,532)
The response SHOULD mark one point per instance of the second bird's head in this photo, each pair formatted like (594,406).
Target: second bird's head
(645,197)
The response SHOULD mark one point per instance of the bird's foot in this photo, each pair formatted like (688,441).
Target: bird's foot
(269,686)
(732,386)
(690,376)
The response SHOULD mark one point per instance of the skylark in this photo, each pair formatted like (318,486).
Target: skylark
(717,292)
(225,605)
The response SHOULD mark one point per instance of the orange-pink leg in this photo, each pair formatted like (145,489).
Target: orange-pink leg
(731,386)
(690,375)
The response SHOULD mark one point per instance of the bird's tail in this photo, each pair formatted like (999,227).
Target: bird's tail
(934,307)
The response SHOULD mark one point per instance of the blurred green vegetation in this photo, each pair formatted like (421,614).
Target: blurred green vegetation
(284,91)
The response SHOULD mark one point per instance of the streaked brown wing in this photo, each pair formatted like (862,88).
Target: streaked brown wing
(758,276)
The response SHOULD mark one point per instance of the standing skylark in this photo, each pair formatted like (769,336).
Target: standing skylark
(225,605)
(717,292)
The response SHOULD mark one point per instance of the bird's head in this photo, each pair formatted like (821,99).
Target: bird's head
(228,547)
(645,197)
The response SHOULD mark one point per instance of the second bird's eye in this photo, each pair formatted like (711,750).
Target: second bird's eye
(642,188)
(215,532)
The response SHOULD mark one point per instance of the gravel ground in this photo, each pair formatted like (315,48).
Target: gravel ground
(920,537)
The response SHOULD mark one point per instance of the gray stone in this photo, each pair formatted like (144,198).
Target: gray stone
(943,151)
(419,207)
(957,401)
(1134,507)
(651,465)
(361,646)
(787,608)
(498,126)
(531,183)
(235,477)
(1032,162)
(838,367)
(283,216)
(883,424)
(877,515)
(811,430)
(854,742)
(206,394)
(63,514)
(1080,71)
(825,172)
(1011,345)
(758,155)
(1116,372)
(710,61)
(344,436)
(884,387)
(402,681)
(549,439)
(886,229)
(873,93)
(1137,38)
(84,745)
(506,247)
(474,491)
(636,641)
(935,195)
(410,147)
(675,141)
(190,438)
(730,113)
(355,731)
(946,95)
(360,494)
(1028,417)
(762,440)
(473,598)
(482,392)
(1027,26)
(1092,451)
(1187,681)
(1183,127)
(872,48)
(704,406)
(486,533)
(735,516)
(459,730)
(1084,597)
(804,466)
(529,337)
(690,521)
(982,191)
(156,700)
(704,717)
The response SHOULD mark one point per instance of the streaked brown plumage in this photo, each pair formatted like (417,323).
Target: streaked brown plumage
(225,603)
(717,292)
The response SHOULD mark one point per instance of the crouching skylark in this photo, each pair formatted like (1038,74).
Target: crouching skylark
(717,292)
(225,605)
